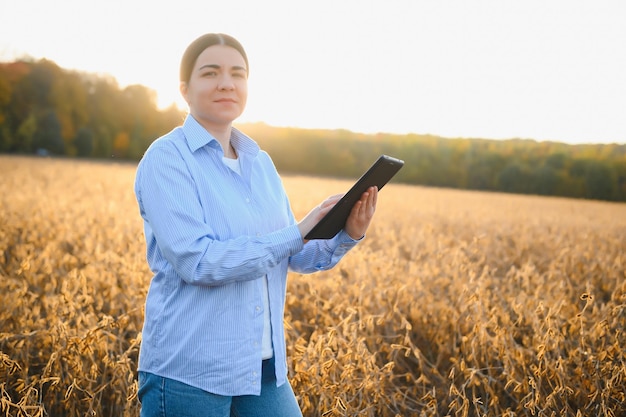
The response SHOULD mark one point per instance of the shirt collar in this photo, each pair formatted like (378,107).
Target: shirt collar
(243,143)
(197,137)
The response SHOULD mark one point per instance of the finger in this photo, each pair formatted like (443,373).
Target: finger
(323,210)
(368,203)
(332,200)
(357,210)
(361,205)
(375,195)
(369,199)
(372,204)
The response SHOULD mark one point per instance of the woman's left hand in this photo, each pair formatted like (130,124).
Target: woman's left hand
(362,214)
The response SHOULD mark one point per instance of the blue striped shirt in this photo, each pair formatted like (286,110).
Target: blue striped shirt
(211,236)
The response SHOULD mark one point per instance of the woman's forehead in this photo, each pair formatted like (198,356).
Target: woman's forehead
(222,55)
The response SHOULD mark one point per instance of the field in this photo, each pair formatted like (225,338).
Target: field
(456,304)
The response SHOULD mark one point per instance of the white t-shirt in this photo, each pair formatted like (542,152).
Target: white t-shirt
(266,344)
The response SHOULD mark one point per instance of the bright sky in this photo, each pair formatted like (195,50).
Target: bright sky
(499,69)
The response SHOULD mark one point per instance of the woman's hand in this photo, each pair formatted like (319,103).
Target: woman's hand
(362,214)
(315,215)
(358,221)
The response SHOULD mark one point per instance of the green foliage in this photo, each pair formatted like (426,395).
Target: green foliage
(75,114)
(48,133)
(84,141)
(43,107)
(599,181)
(516,166)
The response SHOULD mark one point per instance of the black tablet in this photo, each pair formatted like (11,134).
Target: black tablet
(378,174)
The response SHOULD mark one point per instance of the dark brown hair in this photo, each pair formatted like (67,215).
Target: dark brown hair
(196,47)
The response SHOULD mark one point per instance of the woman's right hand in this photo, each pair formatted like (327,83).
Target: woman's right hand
(315,215)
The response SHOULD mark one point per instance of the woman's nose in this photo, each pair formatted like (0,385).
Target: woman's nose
(226,83)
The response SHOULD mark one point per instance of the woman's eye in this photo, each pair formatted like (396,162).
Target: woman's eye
(209,74)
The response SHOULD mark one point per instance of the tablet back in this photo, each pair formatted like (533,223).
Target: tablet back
(378,174)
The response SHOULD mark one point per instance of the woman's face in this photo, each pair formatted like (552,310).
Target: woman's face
(217,90)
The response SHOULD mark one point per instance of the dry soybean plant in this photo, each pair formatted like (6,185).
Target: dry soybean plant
(73,280)
(456,303)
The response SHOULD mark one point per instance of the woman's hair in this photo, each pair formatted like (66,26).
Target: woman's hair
(196,47)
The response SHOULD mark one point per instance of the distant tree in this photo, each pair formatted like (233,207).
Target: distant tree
(48,133)
(25,134)
(482,171)
(508,177)
(83,142)
(103,110)
(102,144)
(619,167)
(121,144)
(599,181)
(556,160)
(39,81)
(23,99)
(578,168)
(5,94)
(5,139)
(68,97)
(546,180)
(5,100)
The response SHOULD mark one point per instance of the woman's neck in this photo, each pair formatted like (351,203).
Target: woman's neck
(222,135)
(224,140)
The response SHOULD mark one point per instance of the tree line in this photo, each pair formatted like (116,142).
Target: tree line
(46,109)
(49,110)
(593,171)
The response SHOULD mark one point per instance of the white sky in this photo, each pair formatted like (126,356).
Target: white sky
(539,69)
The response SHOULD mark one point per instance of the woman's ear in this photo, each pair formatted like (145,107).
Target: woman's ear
(183,90)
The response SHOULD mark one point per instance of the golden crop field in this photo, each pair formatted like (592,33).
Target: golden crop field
(456,304)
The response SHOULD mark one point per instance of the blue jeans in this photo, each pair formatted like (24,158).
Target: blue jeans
(164,397)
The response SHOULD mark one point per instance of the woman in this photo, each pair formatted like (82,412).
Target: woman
(220,237)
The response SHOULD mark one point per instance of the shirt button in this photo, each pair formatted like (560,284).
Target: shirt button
(247,200)
(257,308)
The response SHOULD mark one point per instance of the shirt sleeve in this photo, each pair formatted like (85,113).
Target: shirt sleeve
(173,219)
(320,255)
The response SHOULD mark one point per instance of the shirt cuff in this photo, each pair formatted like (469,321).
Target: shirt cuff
(344,237)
